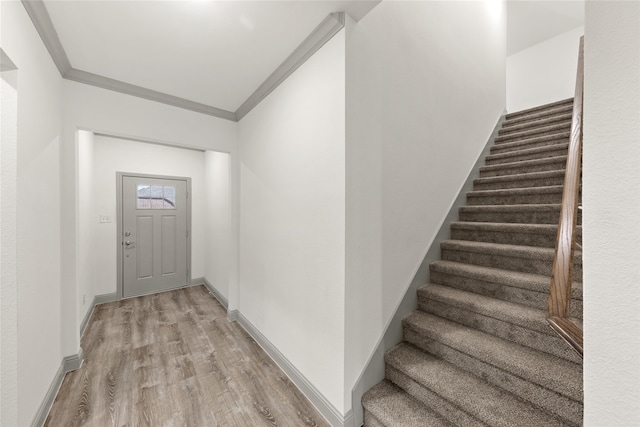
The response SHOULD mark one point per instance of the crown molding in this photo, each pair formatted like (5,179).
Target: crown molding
(322,34)
(39,15)
(141,92)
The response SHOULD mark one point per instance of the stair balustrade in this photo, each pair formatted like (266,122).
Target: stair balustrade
(562,270)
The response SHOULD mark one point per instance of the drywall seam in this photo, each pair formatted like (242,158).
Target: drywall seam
(68,364)
(37,11)
(373,372)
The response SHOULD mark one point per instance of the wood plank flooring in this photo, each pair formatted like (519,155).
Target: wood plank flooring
(173,359)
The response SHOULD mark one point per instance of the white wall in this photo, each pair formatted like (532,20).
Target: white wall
(292,219)
(111,155)
(103,111)
(8,248)
(425,88)
(611,200)
(218,232)
(38,210)
(86,219)
(543,73)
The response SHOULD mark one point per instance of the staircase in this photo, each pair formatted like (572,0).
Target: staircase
(478,351)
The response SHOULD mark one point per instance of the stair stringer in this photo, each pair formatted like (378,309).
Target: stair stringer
(374,370)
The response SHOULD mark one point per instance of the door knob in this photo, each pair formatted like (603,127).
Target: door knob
(129,243)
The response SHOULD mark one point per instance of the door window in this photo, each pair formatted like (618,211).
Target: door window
(156,196)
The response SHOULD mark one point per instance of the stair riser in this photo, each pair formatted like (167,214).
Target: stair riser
(499,260)
(446,409)
(515,169)
(559,150)
(510,126)
(535,339)
(501,291)
(514,199)
(560,405)
(543,131)
(505,237)
(480,185)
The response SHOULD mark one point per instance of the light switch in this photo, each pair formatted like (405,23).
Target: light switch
(105,218)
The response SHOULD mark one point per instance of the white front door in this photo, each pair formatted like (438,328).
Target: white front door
(154,234)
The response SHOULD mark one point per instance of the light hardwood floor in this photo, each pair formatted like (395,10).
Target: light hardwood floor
(173,359)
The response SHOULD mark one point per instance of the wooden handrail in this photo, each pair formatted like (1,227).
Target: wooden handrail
(562,271)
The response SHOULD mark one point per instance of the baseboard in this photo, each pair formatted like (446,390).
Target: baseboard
(373,371)
(232,315)
(87,316)
(216,293)
(328,411)
(97,299)
(68,364)
(105,298)
(197,281)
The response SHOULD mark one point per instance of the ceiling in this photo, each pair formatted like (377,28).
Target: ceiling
(530,22)
(216,54)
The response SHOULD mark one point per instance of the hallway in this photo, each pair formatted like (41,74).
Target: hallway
(173,359)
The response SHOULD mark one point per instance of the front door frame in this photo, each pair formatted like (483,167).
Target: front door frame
(119,239)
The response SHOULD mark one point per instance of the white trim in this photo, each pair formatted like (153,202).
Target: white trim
(41,19)
(328,411)
(68,364)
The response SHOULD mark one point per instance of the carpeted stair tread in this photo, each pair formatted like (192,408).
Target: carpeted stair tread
(533,214)
(526,317)
(550,108)
(516,196)
(521,324)
(478,350)
(392,407)
(525,166)
(524,180)
(528,154)
(532,117)
(528,281)
(507,233)
(560,117)
(527,259)
(549,372)
(463,398)
(543,130)
(533,142)
(543,235)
